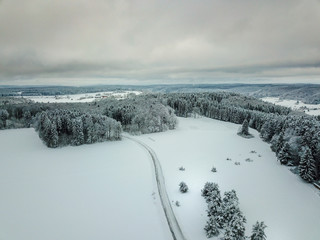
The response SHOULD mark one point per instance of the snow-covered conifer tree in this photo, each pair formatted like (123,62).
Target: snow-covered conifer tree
(307,166)
(236,224)
(77,131)
(258,231)
(211,228)
(245,127)
(4,115)
(52,136)
(206,192)
(285,154)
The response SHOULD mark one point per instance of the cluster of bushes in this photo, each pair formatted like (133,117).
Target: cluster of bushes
(67,127)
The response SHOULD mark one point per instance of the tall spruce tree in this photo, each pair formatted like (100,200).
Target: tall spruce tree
(236,225)
(77,132)
(285,154)
(307,166)
(258,231)
(211,228)
(52,136)
(245,128)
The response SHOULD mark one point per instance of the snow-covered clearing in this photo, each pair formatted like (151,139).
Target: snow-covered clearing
(84,97)
(311,109)
(267,191)
(108,190)
(100,191)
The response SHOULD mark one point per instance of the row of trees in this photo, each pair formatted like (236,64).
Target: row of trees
(224,213)
(67,127)
(294,138)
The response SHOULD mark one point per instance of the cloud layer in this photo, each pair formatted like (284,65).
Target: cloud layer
(157,41)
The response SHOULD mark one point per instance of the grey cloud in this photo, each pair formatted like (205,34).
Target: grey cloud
(158,40)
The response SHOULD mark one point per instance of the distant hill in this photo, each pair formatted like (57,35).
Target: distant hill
(308,93)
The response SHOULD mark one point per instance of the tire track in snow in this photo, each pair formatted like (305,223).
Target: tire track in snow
(173,224)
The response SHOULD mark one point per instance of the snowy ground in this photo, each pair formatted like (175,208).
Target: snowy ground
(85,97)
(104,191)
(311,109)
(267,191)
(100,191)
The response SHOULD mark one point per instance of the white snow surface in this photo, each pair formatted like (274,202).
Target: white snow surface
(105,190)
(267,191)
(83,97)
(311,109)
(100,191)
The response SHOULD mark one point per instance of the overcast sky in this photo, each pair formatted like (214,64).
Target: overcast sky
(75,42)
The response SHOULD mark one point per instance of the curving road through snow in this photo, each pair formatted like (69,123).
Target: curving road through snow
(174,227)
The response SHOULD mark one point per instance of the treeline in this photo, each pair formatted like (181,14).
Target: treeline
(67,127)
(19,115)
(61,124)
(294,138)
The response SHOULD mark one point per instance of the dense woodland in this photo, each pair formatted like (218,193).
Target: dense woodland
(295,138)
(60,124)
(65,127)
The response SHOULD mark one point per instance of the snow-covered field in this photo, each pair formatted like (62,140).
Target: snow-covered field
(105,190)
(100,191)
(84,97)
(311,109)
(267,191)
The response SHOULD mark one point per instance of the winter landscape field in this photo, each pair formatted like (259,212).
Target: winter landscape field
(108,190)
(159,120)
(84,97)
(311,109)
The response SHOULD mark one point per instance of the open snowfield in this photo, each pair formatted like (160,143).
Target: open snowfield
(100,191)
(84,97)
(105,190)
(267,191)
(311,109)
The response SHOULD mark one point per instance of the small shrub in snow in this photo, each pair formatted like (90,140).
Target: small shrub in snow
(177,203)
(183,187)
(237,163)
(228,159)
(249,160)
(253,151)
(259,155)
(213,169)
(182,168)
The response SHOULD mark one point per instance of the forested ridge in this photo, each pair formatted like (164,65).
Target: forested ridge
(294,138)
